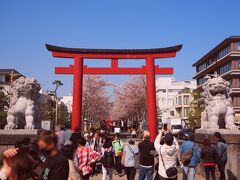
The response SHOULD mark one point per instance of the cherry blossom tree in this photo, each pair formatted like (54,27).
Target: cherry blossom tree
(130,102)
(96,102)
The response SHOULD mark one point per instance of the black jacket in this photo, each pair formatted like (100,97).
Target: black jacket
(56,167)
(209,155)
(145,147)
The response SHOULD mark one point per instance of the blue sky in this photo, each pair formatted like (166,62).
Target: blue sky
(25,26)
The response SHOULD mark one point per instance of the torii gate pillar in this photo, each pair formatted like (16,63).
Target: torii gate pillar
(151,97)
(77,92)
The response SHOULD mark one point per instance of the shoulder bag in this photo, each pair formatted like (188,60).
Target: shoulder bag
(172,171)
(187,156)
(135,156)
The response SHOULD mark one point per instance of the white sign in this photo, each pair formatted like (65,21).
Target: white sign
(46,125)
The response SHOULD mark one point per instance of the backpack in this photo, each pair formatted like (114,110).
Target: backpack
(187,156)
(108,159)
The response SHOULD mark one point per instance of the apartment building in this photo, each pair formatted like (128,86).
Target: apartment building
(224,59)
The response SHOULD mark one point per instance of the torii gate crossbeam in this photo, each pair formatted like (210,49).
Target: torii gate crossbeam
(78,69)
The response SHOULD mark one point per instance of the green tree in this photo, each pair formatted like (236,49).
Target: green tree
(196,108)
(3,104)
(64,117)
(47,110)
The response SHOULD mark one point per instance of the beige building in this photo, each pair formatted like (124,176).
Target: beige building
(182,104)
(7,76)
(167,88)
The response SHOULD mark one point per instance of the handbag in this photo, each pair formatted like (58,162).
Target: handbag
(135,156)
(172,171)
(120,153)
(187,156)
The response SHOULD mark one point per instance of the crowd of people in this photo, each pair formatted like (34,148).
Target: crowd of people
(69,155)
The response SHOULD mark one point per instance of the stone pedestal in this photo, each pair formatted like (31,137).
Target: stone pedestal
(8,138)
(233,141)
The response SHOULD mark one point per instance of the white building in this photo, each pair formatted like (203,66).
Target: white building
(67,100)
(167,88)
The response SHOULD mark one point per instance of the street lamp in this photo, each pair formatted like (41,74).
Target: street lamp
(57,84)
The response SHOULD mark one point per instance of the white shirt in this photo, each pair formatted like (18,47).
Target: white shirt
(169,155)
(129,156)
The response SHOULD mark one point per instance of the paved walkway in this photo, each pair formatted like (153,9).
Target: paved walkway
(125,177)
(99,176)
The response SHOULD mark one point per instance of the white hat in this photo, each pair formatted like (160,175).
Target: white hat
(86,134)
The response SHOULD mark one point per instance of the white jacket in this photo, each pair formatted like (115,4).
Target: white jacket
(169,155)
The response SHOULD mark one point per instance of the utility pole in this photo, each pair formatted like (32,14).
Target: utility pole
(57,84)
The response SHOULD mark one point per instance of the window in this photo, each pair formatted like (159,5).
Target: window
(2,78)
(225,68)
(7,79)
(238,64)
(186,112)
(179,100)
(224,52)
(202,67)
(238,46)
(210,61)
(161,90)
(172,113)
(186,100)
(201,81)
(176,126)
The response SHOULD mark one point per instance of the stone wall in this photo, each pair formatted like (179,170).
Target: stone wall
(232,138)
(8,138)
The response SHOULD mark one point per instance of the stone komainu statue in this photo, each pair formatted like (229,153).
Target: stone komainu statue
(218,112)
(25,104)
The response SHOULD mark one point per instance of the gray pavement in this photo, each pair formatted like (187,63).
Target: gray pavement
(116,177)
(99,177)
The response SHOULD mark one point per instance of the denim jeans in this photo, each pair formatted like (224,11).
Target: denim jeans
(221,167)
(188,173)
(107,171)
(143,172)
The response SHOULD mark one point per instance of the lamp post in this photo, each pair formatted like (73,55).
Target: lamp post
(57,84)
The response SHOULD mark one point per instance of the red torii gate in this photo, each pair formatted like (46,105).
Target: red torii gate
(78,69)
